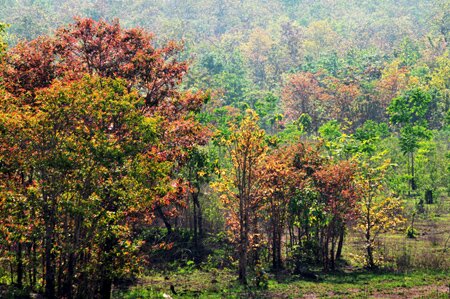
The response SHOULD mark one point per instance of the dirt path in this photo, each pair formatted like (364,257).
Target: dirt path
(429,291)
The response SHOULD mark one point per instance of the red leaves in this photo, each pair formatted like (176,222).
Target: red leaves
(111,51)
(29,66)
(302,94)
(101,48)
(321,97)
(336,184)
(109,96)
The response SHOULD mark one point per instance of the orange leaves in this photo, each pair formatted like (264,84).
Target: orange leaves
(101,48)
(29,66)
(93,134)
(321,97)
(246,148)
(337,186)
(393,80)
(163,246)
(302,94)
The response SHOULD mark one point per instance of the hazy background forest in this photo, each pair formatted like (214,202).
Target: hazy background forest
(224,148)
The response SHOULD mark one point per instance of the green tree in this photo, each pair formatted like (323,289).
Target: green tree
(3,44)
(407,112)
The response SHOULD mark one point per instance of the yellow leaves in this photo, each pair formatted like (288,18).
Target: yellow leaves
(258,46)
(440,78)
(380,214)
(320,36)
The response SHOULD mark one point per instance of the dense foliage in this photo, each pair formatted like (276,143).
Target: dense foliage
(260,141)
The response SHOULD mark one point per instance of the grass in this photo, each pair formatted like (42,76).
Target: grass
(428,254)
(199,284)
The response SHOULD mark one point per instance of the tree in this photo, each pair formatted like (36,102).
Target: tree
(320,38)
(17,207)
(343,99)
(278,182)
(408,113)
(378,213)
(246,148)
(199,170)
(339,193)
(257,51)
(95,141)
(303,94)
(77,139)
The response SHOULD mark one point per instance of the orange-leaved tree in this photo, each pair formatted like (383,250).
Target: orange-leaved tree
(98,130)
(238,185)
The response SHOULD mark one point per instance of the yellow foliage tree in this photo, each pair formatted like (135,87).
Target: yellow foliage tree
(239,185)
(378,213)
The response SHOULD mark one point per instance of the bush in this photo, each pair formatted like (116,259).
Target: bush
(305,255)
(411,232)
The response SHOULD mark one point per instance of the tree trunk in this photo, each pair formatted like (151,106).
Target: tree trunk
(341,243)
(106,288)
(243,252)
(199,216)
(195,221)
(19,265)
(160,213)
(274,249)
(413,181)
(332,256)
(279,260)
(35,265)
(370,260)
(429,196)
(106,279)
(325,250)
(256,241)
(50,257)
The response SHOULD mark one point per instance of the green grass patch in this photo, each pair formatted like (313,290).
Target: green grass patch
(222,284)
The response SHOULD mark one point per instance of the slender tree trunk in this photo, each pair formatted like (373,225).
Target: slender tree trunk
(274,248)
(243,244)
(369,245)
(370,256)
(413,179)
(199,216)
(11,271)
(35,265)
(19,265)
(256,240)
(30,266)
(160,213)
(333,247)
(340,243)
(195,221)
(106,288)
(307,233)
(105,272)
(326,261)
(50,257)
(59,279)
(72,259)
(409,173)
(279,260)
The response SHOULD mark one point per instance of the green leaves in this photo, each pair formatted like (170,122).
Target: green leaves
(3,44)
(408,112)
(410,108)
(91,154)
(410,137)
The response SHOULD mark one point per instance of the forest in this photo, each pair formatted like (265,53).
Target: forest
(224,149)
